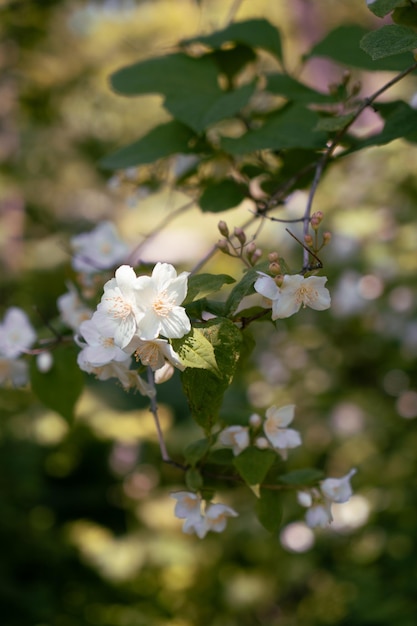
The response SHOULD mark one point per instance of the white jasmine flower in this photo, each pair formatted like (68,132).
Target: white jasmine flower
(100,348)
(216,516)
(305,498)
(129,379)
(98,250)
(188,505)
(235,437)
(275,428)
(158,298)
(319,515)
(16,333)
(119,308)
(338,489)
(73,311)
(164,373)
(154,353)
(295,291)
(262,443)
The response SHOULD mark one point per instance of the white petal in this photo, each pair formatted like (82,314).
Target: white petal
(282,416)
(266,286)
(176,324)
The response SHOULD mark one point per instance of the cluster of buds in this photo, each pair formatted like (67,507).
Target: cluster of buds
(345,90)
(236,244)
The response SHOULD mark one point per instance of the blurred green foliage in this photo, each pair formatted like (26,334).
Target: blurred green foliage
(86,522)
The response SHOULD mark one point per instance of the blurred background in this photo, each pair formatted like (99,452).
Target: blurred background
(87,528)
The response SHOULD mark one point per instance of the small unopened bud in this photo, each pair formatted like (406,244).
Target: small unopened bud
(275,268)
(279,280)
(308,240)
(262,443)
(326,237)
(223,228)
(273,256)
(239,233)
(44,362)
(356,87)
(251,248)
(223,246)
(347,75)
(255,420)
(256,255)
(318,215)
(333,89)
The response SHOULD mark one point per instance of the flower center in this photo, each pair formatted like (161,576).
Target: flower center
(148,354)
(119,308)
(162,305)
(307,294)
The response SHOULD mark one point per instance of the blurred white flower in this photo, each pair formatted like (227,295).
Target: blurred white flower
(294,292)
(216,516)
(275,428)
(235,437)
(188,507)
(98,250)
(72,310)
(16,333)
(319,515)
(338,489)
(129,379)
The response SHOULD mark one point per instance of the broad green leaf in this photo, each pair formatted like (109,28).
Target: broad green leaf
(388,41)
(193,479)
(199,110)
(256,33)
(331,124)
(224,456)
(168,75)
(162,141)
(406,16)
(253,464)
(204,389)
(197,450)
(202,284)
(269,509)
(306,476)
(383,7)
(221,196)
(60,387)
(196,351)
(232,60)
(342,45)
(292,89)
(289,127)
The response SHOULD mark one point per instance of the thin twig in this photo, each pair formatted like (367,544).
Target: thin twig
(233,10)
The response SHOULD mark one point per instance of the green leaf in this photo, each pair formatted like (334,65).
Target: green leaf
(193,479)
(203,284)
(224,456)
(289,127)
(342,45)
(306,476)
(60,387)
(292,89)
(388,41)
(162,141)
(197,450)
(270,510)
(253,464)
(204,389)
(221,196)
(380,8)
(232,60)
(196,351)
(256,33)
(331,124)
(406,16)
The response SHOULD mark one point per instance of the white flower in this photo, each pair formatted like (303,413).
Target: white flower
(319,515)
(188,505)
(16,333)
(98,250)
(235,437)
(295,291)
(216,516)
(118,310)
(129,379)
(338,489)
(275,428)
(73,311)
(100,348)
(154,353)
(14,371)
(158,298)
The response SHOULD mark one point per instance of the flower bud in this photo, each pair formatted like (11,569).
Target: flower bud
(223,246)
(256,255)
(262,443)
(44,362)
(273,256)
(346,77)
(356,87)
(255,420)
(223,228)
(239,233)
(308,240)
(279,280)
(275,269)
(326,237)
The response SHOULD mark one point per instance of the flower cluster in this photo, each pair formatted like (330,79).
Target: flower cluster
(137,315)
(288,293)
(98,250)
(16,337)
(274,426)
(189,507)
(319,501)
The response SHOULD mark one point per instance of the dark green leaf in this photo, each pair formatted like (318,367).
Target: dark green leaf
(289,127)
(388,41)
(292,89)
(60,387)
(383,7)
(197,450)
(342,45)
(331,124)
(306,476)
(162,141)
(253,464)
(406,16)
(270,510)
(231,61)
(224,456)
(193,479)
(202,284)
(221,196)
(204,389)
(256,33)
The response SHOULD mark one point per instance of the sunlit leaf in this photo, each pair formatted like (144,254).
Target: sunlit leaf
(388,41)
(200,285)
(196,351)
